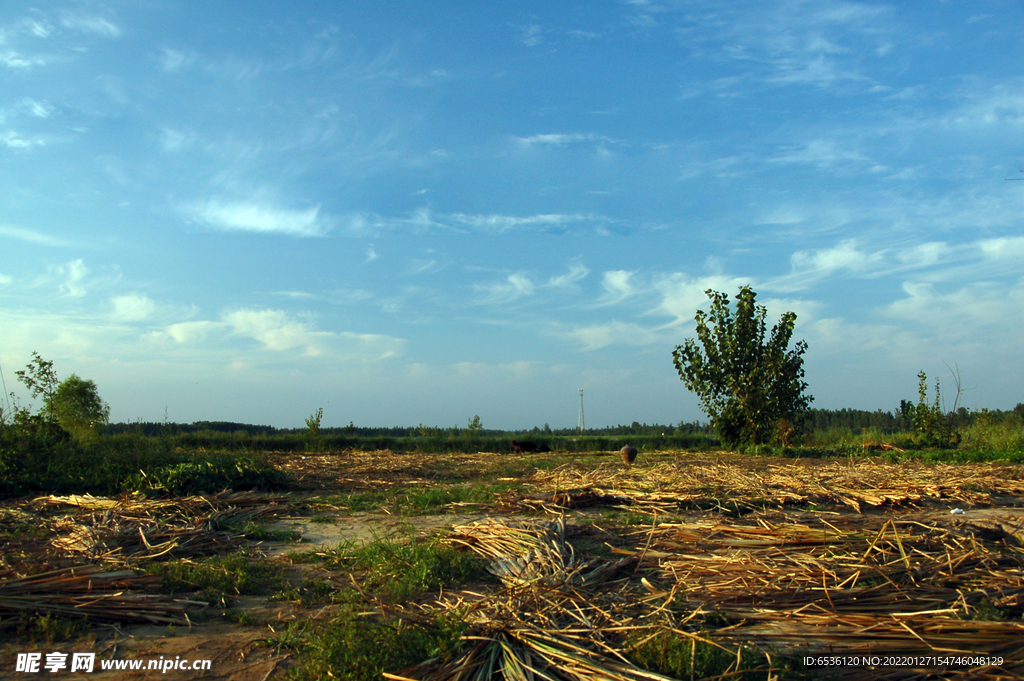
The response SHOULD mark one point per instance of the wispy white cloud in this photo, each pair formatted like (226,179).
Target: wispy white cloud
(235,69)
(844,256)
(13,140)
(35,108)
(923,255)
(1003,248)
(5,280)
(514,287)
(420,266)
(15,60)
(988,107)
(242,216)
(530,36)
(475,370)
(520,285)
(819,44)
(682,295)
(597,336)
(975,316)
(36,27)
(280,332)
(617,286)
(173,61)
(274,329)
(89,24)
(424,221)
(187,333)
(306,295)
(932,261)
(563,139)
(577,271)
(71,275)
(30,236)
(133,307)
(822,153)
(173,141)
(553,222)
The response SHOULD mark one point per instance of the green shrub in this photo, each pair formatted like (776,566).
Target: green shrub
(991,432)
(934,427)
(207,475)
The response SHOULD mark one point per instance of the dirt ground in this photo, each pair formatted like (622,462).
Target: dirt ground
(244,653)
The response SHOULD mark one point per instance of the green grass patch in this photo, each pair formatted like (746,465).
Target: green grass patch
(436,497)
(45,627)
(348,646)
(402,568)
(218,578)
(316,592)
(358,502)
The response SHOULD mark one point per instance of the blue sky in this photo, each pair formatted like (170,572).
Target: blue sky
(414,212)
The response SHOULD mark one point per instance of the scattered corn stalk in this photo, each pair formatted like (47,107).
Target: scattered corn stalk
(86,591)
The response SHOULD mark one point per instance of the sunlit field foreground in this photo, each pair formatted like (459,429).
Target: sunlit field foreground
(471,565)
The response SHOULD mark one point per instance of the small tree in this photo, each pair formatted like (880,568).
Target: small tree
(313,422)
(752,391)
(313,443)
(933,425)
(77,407)
(41,380)
(473,429)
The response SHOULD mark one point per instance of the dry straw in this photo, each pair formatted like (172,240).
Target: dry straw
(558,615)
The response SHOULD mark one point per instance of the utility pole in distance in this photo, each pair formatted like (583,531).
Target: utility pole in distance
(581,426)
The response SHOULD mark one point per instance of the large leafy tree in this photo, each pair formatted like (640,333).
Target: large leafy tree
(77,406)
(752,391)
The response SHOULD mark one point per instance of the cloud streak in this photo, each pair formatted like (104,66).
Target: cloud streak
(259,218)
(30,236)
(278,332)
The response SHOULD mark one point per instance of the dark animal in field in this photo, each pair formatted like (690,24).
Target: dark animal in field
(543,448)
(628,454)
(521,447)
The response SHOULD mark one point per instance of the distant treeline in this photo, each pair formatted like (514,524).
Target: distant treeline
(351,430)
(822,420)
(896,421)
(685,434)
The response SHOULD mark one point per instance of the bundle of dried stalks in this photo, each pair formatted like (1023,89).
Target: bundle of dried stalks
(876,586)
(114,530)
(86,591)
(557,617)
(706,481)
(526,553)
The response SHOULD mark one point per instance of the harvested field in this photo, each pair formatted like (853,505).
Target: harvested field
(593,559)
